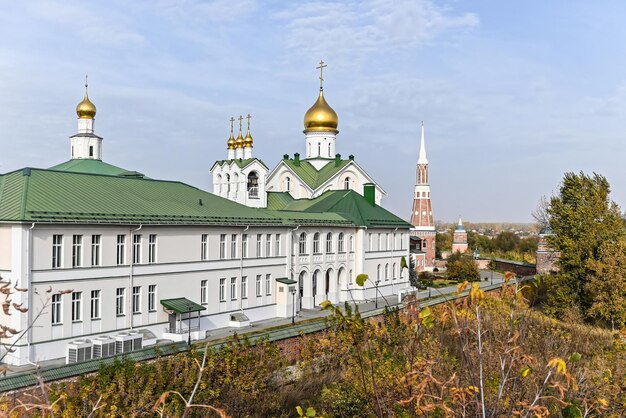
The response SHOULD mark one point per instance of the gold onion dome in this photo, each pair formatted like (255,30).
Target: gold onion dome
(231,142)
(86,109)
(247,141)
(321,117)
(239,141)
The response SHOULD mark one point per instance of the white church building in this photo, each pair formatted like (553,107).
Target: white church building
(113,260)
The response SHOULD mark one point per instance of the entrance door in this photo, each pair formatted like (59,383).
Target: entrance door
(172,322)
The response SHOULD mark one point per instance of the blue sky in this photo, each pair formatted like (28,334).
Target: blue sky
(512,94)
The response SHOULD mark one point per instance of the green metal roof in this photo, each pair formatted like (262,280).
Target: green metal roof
(335,206)
(313,177)
(89,166)
(241,163)
(286,280)
(181,305)
(56,196)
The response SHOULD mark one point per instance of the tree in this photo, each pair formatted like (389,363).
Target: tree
(582,218)
(607,284)
(462,268)
(412,273)
(506,241)
(443,243)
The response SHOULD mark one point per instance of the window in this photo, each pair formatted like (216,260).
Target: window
(346,183)
(244,245)
(329,243)
(233,288)
(288,184)
(77,250)
(351,245)
(222,246)
(204,247)
(244,287)
(277,245)
(121,251)
(380,241)
(76,306)
(56,309)
(370,237)
(259,244)
(152,248)
(316,243)
(57,243)
(120,301)
(136,299)
(95,304)
(222,290)
(319,149)
(91,150)
(387,242)
(394,273)
(152,298)
(233,246)
(204,292)
(340,243)
(386,271)
(136,249)
(302,243)
(329,150)
(268,284)
(258,285)
(268,245)
(378,272)
(95,250)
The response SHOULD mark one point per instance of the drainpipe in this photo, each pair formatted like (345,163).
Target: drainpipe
(30,296)
(290,261)
(241,271)
(130,278)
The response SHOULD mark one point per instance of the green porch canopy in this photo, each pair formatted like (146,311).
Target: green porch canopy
(181,305)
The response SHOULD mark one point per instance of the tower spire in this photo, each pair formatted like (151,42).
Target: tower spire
(422,155)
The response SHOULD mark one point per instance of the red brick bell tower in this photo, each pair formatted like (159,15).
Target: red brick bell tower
(423,231)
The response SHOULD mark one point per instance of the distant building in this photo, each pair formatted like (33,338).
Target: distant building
(459,239)
(423,232)
(546,257)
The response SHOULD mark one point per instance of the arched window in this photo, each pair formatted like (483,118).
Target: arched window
(340,243)
(394,272)
(252,185)
(319,149)
(378,272)
(351,243)
(316,243)
(386,271)
(302,243)
(346,183)
(236,182)
(329,243)
(287,184)
(218,185)
(227,183)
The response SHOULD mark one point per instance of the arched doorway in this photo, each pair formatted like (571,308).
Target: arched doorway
(301,280)
(330,288)
(314,282)
(342,285)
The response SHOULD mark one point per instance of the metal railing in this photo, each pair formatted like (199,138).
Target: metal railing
(181,330)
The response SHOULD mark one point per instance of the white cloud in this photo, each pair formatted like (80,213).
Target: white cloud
(205,10)
(353,27)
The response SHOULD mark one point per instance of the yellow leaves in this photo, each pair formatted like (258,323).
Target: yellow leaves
(461,287)
(603,402)
(476,293)
(559,364)
(310,412)
(326,305)
(426,317)
(508,276)
(525,371)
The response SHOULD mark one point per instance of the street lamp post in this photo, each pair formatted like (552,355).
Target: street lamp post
(376,294)
(293,305)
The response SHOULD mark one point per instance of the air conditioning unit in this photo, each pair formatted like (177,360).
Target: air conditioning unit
(126,342)
(79,350)
(103,347)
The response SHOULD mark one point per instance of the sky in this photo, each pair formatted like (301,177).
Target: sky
(512,94)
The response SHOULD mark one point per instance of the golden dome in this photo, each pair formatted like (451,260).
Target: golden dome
(321,117)
(86,109)
(231,142)
(247,141)
(239,141)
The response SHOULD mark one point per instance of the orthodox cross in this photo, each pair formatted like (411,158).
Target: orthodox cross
(86,84)
(240,122)
(321,68)
(232,122)
(248,117)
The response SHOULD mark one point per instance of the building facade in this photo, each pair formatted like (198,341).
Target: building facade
(107,254)
(459,238)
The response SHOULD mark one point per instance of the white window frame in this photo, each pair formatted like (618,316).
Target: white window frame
(204,247)
(340,243)
(96,250)
(233,288)
(259,245)
(57,251)
(244,287)
(57,309)
(329,243)
(120,301)
(77,310)
(95,303)
(268,284)
(136,249)
(233,246)
(77,251)
(152,290)
(223,290)
(121,249)
(259,286)
(268,245)
(316,243)
(136,301)
(152,248)
(222,246)
(302,243)
(244,245)
(204,292)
